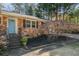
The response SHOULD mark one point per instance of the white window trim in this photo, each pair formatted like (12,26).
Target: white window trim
(31,23)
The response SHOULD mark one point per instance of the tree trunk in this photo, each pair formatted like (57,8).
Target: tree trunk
(77,19)
(63,16)
(56,12)
(56,16)
(63,13)
(51,15)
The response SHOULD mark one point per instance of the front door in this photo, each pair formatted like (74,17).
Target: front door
(11,26)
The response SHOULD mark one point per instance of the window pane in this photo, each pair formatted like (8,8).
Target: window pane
(33,24)
(27,23)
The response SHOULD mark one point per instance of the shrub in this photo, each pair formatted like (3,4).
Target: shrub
(3,50)
(3,45)
(3,40)
(24,41)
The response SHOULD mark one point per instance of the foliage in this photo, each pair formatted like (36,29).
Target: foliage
(74,16)
(3,45)
(53,9)
(44,10)
(38,13)
(3,40)
(24,41)
(23,8)
(3,50)
(1,6)
(30,10)
(18,7)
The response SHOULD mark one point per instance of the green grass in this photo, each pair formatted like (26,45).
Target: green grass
(75,45)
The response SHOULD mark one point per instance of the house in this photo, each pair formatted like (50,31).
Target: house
(14,22)
(17,24)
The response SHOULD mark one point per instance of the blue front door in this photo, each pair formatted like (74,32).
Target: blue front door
(11,26)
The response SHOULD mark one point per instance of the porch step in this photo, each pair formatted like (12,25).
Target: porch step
(14,40)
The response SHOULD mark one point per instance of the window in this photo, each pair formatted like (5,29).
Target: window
(33,24)
(27,23)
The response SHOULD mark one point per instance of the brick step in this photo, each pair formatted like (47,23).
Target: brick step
(10,42)
(13,38)
(14,41)
(17,39)
(13,47)
(14,44)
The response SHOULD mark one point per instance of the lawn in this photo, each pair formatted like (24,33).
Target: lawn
(68,50)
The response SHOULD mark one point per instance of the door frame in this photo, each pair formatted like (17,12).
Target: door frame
(16,25)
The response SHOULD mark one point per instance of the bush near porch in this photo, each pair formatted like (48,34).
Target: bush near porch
(24,41)
(3,40)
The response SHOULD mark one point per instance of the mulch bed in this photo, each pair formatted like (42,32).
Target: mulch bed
(47,39)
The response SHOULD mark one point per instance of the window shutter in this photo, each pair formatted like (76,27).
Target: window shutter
(0,20)
(37,24)
(24,23)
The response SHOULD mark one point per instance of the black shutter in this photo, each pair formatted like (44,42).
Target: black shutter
(24,23)
(0,20)
(37,24)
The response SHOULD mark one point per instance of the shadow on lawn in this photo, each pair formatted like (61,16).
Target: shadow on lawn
(34,43)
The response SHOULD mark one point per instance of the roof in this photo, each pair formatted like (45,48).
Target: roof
(20,15)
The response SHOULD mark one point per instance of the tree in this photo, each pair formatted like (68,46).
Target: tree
(54,8)
(66,7)
(44,10)
(1,6)
(38,13)
(30,10)
(76,13)
(73,14)
(47,9)
(18,7)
